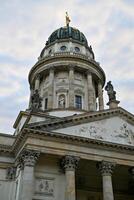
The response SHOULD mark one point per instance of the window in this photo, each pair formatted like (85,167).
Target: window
(78,101)
(77,49)
(63,48)
(46,103)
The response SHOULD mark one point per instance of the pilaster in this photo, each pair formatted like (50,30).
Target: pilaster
(91,99)
(37,82)
(71,86)
(100,96)
(51,89)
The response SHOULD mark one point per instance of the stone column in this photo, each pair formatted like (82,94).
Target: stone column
(100,96)
(37,82)
(69,164)
(106,169)
(71,87)
(28,158)
(51,89)
(91,99)
(131,181)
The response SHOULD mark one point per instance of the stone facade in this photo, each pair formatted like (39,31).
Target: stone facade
(66,146)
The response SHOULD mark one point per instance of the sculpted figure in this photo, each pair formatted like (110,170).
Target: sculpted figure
(36,100)
(110,91)
(62,101)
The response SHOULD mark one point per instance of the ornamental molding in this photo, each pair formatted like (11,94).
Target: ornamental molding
(69,163)
(106,168)
(28,158)
(75,57)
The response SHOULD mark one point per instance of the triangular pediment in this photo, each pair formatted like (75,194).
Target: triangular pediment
(113,129)
(114,126)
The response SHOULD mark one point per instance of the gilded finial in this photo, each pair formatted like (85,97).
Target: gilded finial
(67,19)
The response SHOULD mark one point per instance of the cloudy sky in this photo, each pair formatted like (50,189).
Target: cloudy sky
(25,26)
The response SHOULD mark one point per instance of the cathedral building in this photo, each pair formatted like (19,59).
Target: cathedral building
(66,145)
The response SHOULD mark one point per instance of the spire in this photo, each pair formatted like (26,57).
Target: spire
(67,19)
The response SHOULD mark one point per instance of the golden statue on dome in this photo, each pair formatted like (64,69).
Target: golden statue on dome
(67,19)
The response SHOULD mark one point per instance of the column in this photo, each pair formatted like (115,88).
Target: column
(51,89)
(100,96)
(106,169)
(131,181)
(37,82)
(69,164)
(28,158)
(91,99)
(71,87)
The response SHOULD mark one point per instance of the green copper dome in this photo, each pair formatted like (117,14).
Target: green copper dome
(67,33)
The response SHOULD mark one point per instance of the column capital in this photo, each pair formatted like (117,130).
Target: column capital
(106,168)
(28,157)
(71,66)
(37,76)
(70,162)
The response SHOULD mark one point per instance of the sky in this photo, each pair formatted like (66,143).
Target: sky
(25,26)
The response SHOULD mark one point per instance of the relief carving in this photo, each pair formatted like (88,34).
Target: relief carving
(126,133)
(45,187)
(101,131)
(11,173)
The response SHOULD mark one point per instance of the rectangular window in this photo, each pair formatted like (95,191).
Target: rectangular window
(46,103)
(78,101)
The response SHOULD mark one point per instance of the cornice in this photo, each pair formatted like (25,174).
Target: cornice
(64,56)
(79,139)
(84,118)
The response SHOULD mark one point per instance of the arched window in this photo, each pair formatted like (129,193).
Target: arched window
(61,101)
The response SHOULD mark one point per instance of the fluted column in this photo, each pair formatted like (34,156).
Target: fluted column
(71,86)
(91,99)
(28,158)
(69,164)
(106,169)
(37,82)
(51,89)
(100,96)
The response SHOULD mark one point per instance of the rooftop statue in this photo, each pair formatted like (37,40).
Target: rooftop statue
(67,19)
(36,101)
(110,91)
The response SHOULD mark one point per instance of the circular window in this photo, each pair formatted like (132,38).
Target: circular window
(63,48)
(77,49)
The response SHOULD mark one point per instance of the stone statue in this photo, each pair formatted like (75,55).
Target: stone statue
(36,101)
(62,101)
(110,91)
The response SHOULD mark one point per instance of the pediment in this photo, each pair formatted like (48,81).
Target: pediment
(113,129)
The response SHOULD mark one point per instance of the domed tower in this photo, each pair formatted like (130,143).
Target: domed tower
(66,76)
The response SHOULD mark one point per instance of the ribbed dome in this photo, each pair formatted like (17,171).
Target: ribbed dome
(66,33)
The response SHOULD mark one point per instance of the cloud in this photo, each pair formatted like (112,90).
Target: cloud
(26,25)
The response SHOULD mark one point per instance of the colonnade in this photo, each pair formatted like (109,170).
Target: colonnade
(69,165)
(91,100)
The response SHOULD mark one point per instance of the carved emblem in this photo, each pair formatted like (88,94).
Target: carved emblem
(11,172)
(45,186)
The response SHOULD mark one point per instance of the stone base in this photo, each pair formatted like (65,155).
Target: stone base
(113,104)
